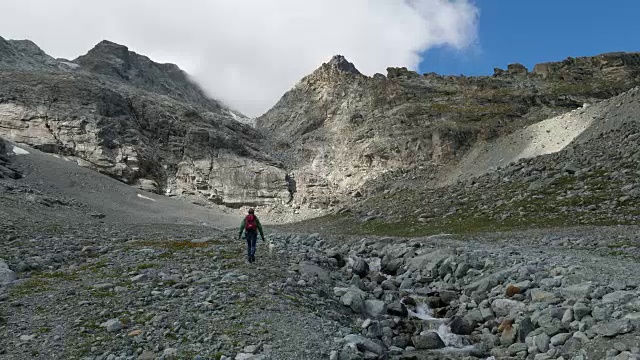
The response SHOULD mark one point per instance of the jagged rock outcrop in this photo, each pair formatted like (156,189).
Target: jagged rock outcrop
(139,121)
(340,130)
(6,171)
(578,168)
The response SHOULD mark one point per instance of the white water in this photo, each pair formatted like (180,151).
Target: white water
(450,339)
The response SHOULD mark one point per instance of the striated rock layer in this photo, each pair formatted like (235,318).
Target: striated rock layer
(341,130)
(141,122)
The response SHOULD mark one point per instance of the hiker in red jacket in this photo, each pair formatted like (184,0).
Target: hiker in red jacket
(251,225)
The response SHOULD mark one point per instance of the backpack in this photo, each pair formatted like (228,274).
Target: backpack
(251,222)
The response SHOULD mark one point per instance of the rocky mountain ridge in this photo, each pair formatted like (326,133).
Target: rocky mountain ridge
(338,136)
(141,122)
(341,129)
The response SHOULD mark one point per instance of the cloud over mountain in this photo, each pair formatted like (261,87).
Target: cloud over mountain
(248,52)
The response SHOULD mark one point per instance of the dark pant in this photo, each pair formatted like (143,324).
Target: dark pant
(252,238)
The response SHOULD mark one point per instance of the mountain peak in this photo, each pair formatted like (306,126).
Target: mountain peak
(339,62)
(109,47)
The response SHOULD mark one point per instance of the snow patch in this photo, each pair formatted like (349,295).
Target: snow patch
(19,151)
(70,64)
(145,197)
(234,116)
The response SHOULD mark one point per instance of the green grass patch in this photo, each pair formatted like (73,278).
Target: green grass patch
(57,275)
(43,330)
(53,229)
(29,287)
(144,266)
(622,244)
(616,253)
(101,293)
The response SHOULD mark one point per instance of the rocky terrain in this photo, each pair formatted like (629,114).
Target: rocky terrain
(6,171)
(474,218)
(138,121)
(341,129)
(592,178)
(84,283)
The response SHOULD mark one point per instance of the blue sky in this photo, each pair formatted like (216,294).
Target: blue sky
(531,32)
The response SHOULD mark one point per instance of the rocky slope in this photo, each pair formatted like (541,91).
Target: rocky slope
(6,170)
(591,180)
(99,289)
(141,122)
(340,129)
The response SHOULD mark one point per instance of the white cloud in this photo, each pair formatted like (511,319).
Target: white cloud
(248,52)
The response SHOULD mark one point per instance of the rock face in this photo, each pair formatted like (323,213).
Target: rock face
(6,171)
(591,179)
(346,135)
(141,122)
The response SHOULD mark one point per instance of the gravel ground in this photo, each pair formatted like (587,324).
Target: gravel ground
(105,274)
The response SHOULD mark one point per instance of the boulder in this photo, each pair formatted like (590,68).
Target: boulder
(428,341)
(397,309)
(613,328)
(374,308)
(504,307)
(354,299)
(365,344)
(360,267)
(461,326)
(7,275)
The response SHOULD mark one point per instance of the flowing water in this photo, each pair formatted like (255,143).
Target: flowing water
(451,340)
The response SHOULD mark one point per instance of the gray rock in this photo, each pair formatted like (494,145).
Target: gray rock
(147,355)
(406,284)
(430,340)
(504,307)
(474,317)
(388,285)
(112,325)
(487,313)
(618,297)
(103,286)
(22,267)
(567,317)
(354,299)
(461,270)
(140,277)
(374,308)
(580,310)
(601,313)
(517,348)
(7,276)
(571,347)
(27,337)
(538,295)
(577,291)
(393,266)
(397,309)
(365,344)
(560,339)
(613,328)
(360,267)
(542,342)
(356,281)
(461,326)
(525,327)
